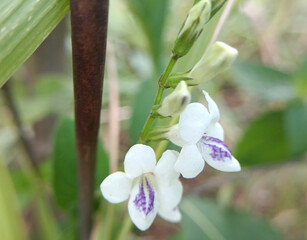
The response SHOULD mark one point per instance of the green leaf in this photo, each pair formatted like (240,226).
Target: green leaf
(204,219)
(24,24)
(266,82)
(65,169)
(300,79)
(141,108)
(275,136)
(11,226)
(264,141)
(151,16)
(295,120)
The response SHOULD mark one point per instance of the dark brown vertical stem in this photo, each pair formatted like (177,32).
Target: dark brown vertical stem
(89,31)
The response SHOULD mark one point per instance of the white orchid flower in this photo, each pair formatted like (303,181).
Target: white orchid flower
(151,188)
(201,138)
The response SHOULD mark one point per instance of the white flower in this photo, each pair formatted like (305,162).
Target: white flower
(201,138)
(153,188)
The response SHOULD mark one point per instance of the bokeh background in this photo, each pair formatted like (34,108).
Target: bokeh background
(262,100)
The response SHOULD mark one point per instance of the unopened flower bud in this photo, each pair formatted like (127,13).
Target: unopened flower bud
(217,59)
(192,27)
(175,103)
(216,5)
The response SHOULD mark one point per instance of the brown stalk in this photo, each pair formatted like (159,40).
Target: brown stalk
(89,31)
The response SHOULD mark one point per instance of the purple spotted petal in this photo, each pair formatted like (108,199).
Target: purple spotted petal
(217,154)
(219,150)
(142,204)
(144,200)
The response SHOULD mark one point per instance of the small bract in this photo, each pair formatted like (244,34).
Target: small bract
(151,188)
(201,138)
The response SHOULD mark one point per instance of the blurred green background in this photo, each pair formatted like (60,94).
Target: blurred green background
(263,105)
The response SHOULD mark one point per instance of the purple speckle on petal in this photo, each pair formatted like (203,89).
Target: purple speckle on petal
(144,200)
(208,139)
(219,150)
(151,196)
(218,153)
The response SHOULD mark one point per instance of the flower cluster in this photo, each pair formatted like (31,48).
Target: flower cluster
(154,187)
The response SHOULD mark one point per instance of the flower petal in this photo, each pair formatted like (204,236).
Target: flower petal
(193,122)
(169,195)
(217,154)
(139,159)
(190,162)
(165,171)
(216,130)
(143,204)
(173,215)
(116,187)
(174,136)
(213,109)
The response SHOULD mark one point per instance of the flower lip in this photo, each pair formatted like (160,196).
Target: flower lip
(216,153)
(219,153)
(144,200)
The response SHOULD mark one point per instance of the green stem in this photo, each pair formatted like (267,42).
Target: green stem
(109,221)
(125,229)
(158,99)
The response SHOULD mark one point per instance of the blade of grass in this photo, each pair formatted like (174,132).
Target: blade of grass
(24,24)
(11,226)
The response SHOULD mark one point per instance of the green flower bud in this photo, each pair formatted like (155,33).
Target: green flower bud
(216,5)
(217,59)
(192,27)
(174,103)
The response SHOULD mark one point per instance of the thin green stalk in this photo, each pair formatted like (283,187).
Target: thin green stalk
(125,229)
(109,220)
(11,226)
(159,96)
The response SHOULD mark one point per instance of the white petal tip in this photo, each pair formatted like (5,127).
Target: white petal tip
(173,216)
(190,172)
(234,166)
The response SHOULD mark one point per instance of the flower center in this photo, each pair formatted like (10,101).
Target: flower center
(145,199)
